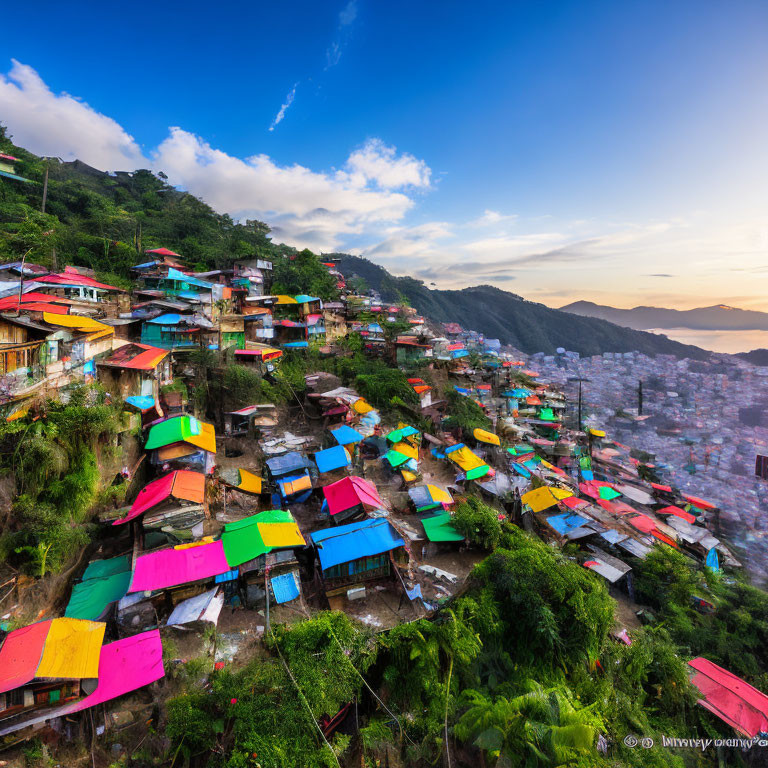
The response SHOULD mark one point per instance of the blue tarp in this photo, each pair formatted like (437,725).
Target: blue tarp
(289,462)
(345,435)
(712,560)
(566,522)
(375,328)
(296,345)
(457,353)
(587,475)
(302,298)
(462,390)
(452,448)
(520,469)
(332,458)
(284,587)
(174,274)
(345,543)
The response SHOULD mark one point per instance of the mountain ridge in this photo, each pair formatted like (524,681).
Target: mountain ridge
(527,325)
(718,317)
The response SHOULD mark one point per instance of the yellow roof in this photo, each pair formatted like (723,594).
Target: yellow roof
(302,483)
(597,432)
(486,437)
(466,459)
(283,299)
(174,451)
(439,495)
(545,497)
(199,543)
(280,534)
(362,406)
(206,439)
(409,477)
(78,322)
(72,649)
(411,451)
(249,482)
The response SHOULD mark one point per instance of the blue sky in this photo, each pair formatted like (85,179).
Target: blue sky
(613,151)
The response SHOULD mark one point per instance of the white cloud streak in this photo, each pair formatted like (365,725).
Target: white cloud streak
(284,108)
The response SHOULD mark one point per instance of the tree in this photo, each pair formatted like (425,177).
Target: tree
(540,727)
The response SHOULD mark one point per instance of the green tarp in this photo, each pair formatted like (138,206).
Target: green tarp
(104,582)
(608,493)
(440,528)
(395,458)
(172,430)
(477,472)
(398,435)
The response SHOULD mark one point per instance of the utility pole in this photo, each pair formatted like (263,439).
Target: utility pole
(580,401)
(21,282)
(45,188)
(640,398)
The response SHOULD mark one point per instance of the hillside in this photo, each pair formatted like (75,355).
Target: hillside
(756,356)
(716,318)
(526,325)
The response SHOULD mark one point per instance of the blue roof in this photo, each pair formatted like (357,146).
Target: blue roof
(344,435)
(142,402)
(147,265)
(170,319)
(296,344)
(345,543)
(566,522)
(285,587)
(457,353)
(289,462)
(332,458)
(302,298)
(375,328)
(452,448)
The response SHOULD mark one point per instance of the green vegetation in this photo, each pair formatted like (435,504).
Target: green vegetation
(54,463)
(464,413)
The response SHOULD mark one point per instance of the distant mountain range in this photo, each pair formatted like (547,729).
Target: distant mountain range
(717,318)
(529,326)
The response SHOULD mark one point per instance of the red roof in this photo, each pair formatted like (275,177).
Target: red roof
(665,488)
(140,357)
(70,276)
(8,157)
(349,492)
(730,698)
(697,502)
(20,655)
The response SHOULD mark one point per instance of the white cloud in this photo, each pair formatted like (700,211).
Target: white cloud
(348,13)
(347,17)
(379,163)
(490,218)
(61,125)
(284,108)
(306,208)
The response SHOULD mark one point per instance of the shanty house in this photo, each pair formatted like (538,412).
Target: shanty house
(357,553)
(290,475)
(184,441)
(351,497)
(173,503)
(135,370)
(175,331)
(48,663)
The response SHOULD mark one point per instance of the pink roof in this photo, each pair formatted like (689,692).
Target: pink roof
(8,157)
(349,492)
(20,655)
(163,252)
(730,698)
(573,502)
(124,666)
(171,567)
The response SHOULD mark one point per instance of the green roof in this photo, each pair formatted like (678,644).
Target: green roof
(242,540)
(104,582)
(395,458)
(440,528)
(172,430)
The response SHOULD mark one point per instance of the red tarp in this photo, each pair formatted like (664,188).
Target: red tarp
(163,252)
(643,523)
(616,507)
(350,492)
(573,502)
(665,488)
(730,698)
(697,502)
(20,655)
(687,516)
(171,567)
